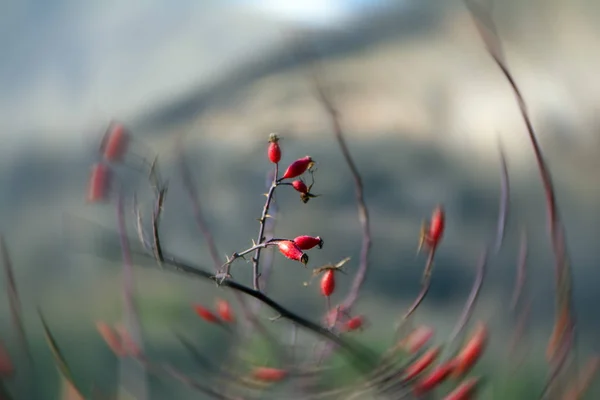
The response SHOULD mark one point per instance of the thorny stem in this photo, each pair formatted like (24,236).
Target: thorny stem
(241,254)
(261,230)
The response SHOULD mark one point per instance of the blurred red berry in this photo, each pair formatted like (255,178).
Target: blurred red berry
(465,391)
(224,310)
(308,242)
(300,186)
(116,142)
(112,339)
(6,365)
(436,229)
(472,350)
(205,314)
(421,363)
(328,283)
(99,183)
(354,323)
(416,339)
(298,167)
(438,375)
(291,250)
(274,151)
(129,345)
(267,374)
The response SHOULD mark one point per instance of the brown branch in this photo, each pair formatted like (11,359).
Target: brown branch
(188,183)
(424,289)
(504,199)
(488,32)
(469,306)
(131,318)
(521,277)
(16,313)
(363,213)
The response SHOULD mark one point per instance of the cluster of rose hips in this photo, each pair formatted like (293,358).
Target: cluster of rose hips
(421,373)
(425,377)
(114,146)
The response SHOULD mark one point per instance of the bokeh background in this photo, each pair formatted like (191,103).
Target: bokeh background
(422,106)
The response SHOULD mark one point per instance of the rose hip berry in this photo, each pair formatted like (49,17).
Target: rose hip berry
(267,374)
(354,323)
(432,235)
(434,378)
(224,311)
(291,250)
(472,350)
(300,186)
(308,242)
(205,314)
(328,283)
(421,363)
(99,183)
(274,151)
(298,167)
(115,143)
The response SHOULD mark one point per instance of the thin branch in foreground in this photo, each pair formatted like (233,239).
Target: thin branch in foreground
(130,317)
(363,212)
(521,274)
(504,199)
(188,183)
(475,290)
(488,32)
(14,302)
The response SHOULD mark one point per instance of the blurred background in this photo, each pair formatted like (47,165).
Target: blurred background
(422,106)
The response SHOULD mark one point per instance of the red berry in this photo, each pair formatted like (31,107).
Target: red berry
(434,378)
(421,363)
(129,345)
(328,283)
(300,186)
(465,390)
(436,229)
(99,183)
(116,142)
(472,350)
(274,151)
(269,374)
(308,242)
(205,314)
(112,339)
(417,339)
(354,323)
(298,167)
(6,366)
(224,311)
(292,251)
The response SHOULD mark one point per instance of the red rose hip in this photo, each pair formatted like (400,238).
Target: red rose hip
(274,151)
(308,242)
(328,283)
(298,167)
(291,250)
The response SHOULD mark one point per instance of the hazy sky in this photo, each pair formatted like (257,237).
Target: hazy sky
(67,63)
